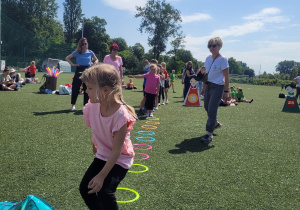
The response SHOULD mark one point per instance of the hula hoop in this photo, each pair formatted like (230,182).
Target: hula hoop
(147,156)
(146,169)
(152,118)
(149,146)
(149,127)
(152,123)
(145,137)
(137,196)
(142,133)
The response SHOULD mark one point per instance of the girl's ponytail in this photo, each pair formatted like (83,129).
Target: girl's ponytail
(129,108)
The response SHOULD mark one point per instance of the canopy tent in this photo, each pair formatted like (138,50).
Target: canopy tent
(60,64)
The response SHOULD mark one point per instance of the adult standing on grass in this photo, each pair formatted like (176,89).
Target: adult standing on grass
(115,60)
(84,58)
(217,85)
(189,71)
(297,80)
(167,77)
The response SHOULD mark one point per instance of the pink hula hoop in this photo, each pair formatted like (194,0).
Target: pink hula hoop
(149,146)
(147,156)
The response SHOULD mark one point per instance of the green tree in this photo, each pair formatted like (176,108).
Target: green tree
(95,32)
(37,16)
(184,55)
(161,21)
(121,43)
(249,72)
(138,50)
(234,66)
(72,18)
(286,66)
(176,44)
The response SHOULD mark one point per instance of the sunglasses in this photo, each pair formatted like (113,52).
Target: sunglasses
(213,46)
(114,49)
(84,43)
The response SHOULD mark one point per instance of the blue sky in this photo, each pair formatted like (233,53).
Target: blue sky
(261,33)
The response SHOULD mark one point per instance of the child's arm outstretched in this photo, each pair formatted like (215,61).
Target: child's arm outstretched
(96,183)
(136,76)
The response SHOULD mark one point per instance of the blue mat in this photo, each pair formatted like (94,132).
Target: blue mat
(31,202)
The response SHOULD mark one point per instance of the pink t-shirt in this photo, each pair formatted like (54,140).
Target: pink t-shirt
(151,83)
(103,132)
(117,63)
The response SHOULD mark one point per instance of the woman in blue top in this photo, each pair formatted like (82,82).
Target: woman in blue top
(84,58)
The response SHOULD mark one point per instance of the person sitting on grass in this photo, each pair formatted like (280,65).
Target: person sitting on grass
(233,92)
(230,102)
(129,85)
(240,96)
(6,82)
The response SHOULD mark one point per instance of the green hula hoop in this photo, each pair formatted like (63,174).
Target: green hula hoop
(129,201)
(146,169)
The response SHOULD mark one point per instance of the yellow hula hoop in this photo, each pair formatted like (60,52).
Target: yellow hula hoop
(129,201)
(146,169)
(152,123)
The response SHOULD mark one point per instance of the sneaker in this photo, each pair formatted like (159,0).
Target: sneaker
(207,138)
(218,125)
(163,103)
(158,104)
(251,101)
(73,108)
(140,112)
(156,108)
(151,115)
(167,101)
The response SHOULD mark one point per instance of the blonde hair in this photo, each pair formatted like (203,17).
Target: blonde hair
(105,75)
(215,40)
(32,63)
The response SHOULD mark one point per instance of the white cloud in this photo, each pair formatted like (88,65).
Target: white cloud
(239,30)
(268,15)
(195,17)
(127,5)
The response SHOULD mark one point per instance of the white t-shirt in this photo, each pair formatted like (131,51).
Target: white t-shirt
(215,69)
(298,81)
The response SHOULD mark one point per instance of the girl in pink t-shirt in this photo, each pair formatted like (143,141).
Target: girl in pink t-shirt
(151,88)
(111,121)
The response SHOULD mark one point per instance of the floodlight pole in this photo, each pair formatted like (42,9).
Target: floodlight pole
(82,25)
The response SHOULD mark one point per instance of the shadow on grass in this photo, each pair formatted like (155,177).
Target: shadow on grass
(191,145)
(57,112)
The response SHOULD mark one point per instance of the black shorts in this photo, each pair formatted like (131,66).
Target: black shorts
(167,84)
(32,75)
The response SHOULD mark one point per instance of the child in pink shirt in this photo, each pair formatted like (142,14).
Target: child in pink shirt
(151,88)
(111,121)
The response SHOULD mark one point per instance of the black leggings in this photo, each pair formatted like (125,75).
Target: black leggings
(76,86)
(105,198)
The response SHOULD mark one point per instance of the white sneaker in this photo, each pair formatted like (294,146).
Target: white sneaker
(167,101)
(163,103)
(73,108)
(151,115)
(158,104)
(156,108)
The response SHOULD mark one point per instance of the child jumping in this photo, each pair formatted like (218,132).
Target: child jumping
(151,88)
(111,121)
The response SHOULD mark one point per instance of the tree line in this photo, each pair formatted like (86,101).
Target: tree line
(30,32)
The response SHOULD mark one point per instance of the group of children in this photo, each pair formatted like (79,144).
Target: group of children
(155,87)
(237,95)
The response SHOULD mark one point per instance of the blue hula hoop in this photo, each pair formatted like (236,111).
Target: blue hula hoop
(145,137)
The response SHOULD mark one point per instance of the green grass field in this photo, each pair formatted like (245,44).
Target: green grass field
(253,162)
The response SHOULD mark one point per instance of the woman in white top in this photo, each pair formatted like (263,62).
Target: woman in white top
(217,86)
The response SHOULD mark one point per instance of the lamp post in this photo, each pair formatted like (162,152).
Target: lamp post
(82,25)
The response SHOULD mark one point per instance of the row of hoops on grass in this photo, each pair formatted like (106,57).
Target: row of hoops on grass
(146,136)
